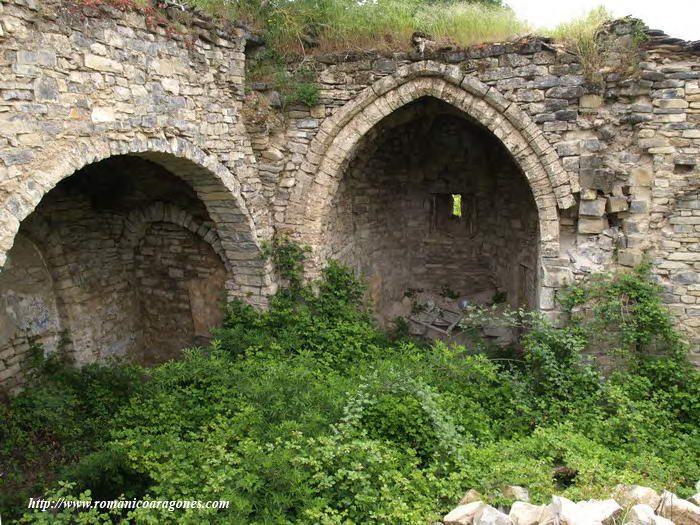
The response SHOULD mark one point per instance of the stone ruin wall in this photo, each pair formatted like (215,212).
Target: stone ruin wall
(128,179)
(629,151)
(558,178)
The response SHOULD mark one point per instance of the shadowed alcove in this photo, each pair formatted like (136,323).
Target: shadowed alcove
(432,201)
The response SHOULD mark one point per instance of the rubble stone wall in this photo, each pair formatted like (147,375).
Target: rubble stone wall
(560,176)
(79,86)
(606,162)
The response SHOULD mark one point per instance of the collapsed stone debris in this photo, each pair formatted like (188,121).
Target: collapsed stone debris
(631,505)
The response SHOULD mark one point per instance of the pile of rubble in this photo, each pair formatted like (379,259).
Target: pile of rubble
(629,505)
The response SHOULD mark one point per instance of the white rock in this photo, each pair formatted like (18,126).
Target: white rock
(522,513)
(103,115)
(678,510)
(658,520)
(628,495)
(695,500)
(171,85)
(602,511)
(515,492)
(568,513)
(640,514)
(463,514)
(470,497)
(99,63)
(488,515)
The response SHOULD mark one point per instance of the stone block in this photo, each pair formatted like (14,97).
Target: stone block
(103,114)
(627,495)
(470,497)
(617,204)
(598,179)
(522,513)
(670,103)
(593,208)
(640,177)
(590,101)
(515,492)
(568,148)
(99,63)
(589,194)
(684,256)
(463,514)
(629,258)
(556,276)
(592,225)
(678,510)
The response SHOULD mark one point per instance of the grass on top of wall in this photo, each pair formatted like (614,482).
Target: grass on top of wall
(304,26)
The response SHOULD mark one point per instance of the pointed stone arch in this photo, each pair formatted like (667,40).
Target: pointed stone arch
(138,221)
(339,136)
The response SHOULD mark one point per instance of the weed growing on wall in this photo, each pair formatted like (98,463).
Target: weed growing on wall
(583,36)
(308,413)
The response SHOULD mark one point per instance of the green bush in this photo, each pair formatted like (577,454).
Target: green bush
(62,415)
(308,413)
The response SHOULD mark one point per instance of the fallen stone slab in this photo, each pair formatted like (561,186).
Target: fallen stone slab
(640,514)
(515,492)
(566,512)
(476,513)
(463,514)
(470,497)
(522,513)
(678,510)
(488,515)
(605,511)
(629,495)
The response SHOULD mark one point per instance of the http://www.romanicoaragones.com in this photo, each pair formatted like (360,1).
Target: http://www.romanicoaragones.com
(170,505)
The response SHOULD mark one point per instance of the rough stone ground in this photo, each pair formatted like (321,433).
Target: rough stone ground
(630,505)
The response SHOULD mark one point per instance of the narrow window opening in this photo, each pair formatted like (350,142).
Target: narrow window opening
(456,205)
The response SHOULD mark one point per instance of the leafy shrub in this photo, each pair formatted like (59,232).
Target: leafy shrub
(307,413)
(63,414)
(306,93)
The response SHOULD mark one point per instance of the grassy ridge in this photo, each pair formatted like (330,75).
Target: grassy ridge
(293,26)
(335,25)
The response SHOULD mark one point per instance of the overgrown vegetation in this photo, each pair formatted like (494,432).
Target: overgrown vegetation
(293,29)
(302,26)
(307,413)
(582,36)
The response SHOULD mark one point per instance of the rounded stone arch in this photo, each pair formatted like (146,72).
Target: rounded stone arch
(340,135)
(137,222)
(213,183)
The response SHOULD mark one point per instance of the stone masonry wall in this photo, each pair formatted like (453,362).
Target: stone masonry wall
(78,86)
(624,151)
(180,280)
(590,176)
(27,306)
(125,261)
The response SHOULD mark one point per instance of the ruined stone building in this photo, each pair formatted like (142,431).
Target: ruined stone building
(134,190)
